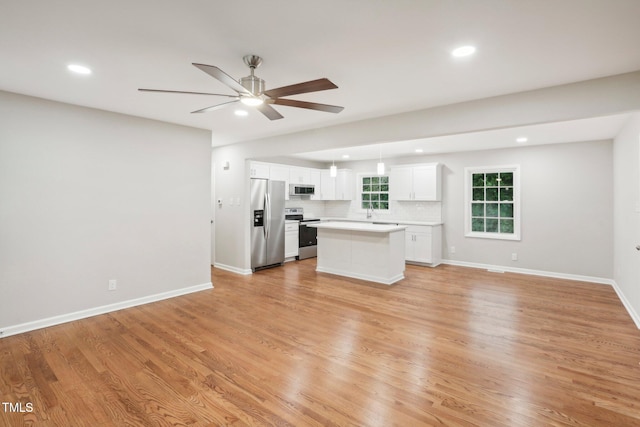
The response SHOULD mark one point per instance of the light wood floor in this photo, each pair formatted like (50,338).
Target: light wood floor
(448,346)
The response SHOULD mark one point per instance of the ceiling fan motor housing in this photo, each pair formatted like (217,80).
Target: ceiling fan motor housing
(253,84)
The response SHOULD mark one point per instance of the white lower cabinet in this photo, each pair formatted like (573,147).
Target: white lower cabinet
(291,240)
(423,244)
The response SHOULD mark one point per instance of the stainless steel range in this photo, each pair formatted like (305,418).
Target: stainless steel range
(307,236)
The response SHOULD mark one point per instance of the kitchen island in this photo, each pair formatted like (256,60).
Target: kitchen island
(373,252)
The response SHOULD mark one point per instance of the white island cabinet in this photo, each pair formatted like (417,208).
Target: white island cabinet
(373,252)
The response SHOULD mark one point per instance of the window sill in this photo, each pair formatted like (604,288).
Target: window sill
(494,236)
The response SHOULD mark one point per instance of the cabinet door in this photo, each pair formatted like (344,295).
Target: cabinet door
(401,183)
(419,244)
(259,170)
(426,183)
(281,173)
(327,185)
(344,185)
(315,177)
(409,252)
(291,240)
(299,175)
(422,247)
(290,244)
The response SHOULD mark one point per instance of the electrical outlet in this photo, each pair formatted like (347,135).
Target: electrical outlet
(113,285)
(514,256)
(453,250)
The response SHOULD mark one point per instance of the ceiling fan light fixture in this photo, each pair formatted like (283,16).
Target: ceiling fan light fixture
(252,101)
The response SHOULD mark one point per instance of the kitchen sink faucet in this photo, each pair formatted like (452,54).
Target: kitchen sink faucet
(369,210)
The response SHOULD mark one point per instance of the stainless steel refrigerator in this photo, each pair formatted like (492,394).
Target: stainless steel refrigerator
(267,223)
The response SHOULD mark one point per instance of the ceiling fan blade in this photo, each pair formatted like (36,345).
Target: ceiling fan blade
(269,111)
(308,105)
(223,77)
(306,87)
(215,107)
(189,93)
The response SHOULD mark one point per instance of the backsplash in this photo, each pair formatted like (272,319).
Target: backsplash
(409,211)
(312,208)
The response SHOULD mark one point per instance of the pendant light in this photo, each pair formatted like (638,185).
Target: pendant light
(333,170)
(380,164)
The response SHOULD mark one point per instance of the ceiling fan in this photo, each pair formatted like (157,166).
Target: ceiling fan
(251,91)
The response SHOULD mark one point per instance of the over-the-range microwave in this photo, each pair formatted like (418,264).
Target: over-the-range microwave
(301,190)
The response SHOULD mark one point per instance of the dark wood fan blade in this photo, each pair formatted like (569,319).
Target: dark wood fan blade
(308,105)
(223,77)
(215,107)
(269,111)
(189,93)
(306,87)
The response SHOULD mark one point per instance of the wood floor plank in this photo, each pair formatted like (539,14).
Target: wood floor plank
(447,346)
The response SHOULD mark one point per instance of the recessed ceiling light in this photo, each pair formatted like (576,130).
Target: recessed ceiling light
(79,69)
(463,51)
(419,150)
(345,156)
(521,140)
(241,113)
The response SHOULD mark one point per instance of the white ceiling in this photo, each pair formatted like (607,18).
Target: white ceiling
(594,129)
(386,57)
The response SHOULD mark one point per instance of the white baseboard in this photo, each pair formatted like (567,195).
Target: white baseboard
(555,275)
(232,269)
(360,276)
(83,314)
(634,314)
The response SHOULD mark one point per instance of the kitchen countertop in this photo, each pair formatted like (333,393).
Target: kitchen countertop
(358,226)
(381,221)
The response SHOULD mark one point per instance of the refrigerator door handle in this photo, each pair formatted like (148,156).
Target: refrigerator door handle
(267,215)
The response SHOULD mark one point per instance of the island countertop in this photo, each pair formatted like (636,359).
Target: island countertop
(382,221)
(358,226)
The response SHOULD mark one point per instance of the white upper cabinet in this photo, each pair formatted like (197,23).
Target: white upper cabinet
(280,173)
(315,176)
(416,182)
(339,188)
(344,185)
(299,175)
(259,170)
(327,186)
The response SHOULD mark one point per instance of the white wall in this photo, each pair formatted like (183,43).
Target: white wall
(87,196)
(566,204)
(626,179)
